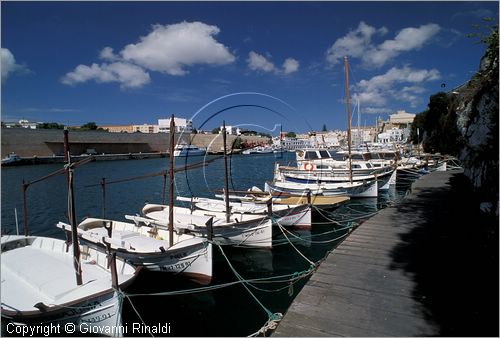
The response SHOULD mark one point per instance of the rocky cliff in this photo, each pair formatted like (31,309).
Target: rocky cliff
(477,121)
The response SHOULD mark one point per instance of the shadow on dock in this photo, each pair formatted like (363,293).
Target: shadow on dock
(452,255)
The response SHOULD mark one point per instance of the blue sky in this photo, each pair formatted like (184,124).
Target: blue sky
(135,62)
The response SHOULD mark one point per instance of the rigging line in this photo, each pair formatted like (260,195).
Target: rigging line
(269,313)
(137,312)
(300,253)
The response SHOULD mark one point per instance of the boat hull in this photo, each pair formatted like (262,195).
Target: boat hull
(38,287)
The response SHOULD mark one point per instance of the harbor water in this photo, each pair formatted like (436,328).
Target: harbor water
(249,287)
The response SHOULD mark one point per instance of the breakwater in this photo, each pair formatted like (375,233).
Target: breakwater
(44,144)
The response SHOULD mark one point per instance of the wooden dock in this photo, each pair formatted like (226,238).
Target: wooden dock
(380,282)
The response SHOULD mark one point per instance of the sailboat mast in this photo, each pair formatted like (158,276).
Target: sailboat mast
(171,178)
(348,116)
(71,213)
(226,182)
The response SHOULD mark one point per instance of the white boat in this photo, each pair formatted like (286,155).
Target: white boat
(149,247)
(243,230)
(39,287)
(258,150)
(354,189)
(11,158)
(284,214)
(183,150)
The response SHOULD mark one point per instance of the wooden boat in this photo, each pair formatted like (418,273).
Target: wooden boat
(354,189)
(149,247)
(245,230)
(298,215)
(38,285)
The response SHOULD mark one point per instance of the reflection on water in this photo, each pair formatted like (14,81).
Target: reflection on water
(226,311)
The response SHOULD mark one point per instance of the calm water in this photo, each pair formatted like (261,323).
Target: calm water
(225,311)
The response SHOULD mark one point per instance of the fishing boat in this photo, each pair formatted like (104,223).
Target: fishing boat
(10,159)
(318,166)
(150,247)
(38,286)
(240,229)
(351,189)
(284,214)
(50,281)
(183,150)
(258,150)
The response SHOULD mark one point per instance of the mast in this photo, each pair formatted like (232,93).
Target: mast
(226,183)
(348,116)
(171,177)
(71,212)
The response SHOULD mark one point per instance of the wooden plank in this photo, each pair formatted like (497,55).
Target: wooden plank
(358,290)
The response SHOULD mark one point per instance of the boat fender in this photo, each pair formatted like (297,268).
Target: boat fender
(41,306)
(308,166)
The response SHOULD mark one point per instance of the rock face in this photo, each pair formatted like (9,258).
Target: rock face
(477,121)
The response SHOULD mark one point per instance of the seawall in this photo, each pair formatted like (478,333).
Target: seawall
(49,142)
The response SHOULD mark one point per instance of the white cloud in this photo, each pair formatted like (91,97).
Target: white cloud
(358,44)
(377,90)
(406,40)
(259,62)
(167,49)
(9,65)
(128,75)
(290,66)
(170,48)
(108,54)
(354,44)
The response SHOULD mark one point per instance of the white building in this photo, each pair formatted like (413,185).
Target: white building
(393,135)
(21,124)
(230,130)
(145,128)
(291,143)
(401,118)
(181,125)
(327,139)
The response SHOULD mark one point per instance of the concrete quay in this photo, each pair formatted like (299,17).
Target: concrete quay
(427,266)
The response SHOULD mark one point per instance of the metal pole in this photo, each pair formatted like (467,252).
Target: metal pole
(17,224)
(103,188)
(72,214)
(348,116)
(25,209)
(171,177)
(226,183)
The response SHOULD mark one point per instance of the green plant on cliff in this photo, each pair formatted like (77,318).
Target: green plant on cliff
(487,33)
(437,126)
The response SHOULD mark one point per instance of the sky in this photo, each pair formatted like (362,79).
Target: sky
(258,65)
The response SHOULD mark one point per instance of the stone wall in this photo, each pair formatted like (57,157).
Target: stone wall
(48,142)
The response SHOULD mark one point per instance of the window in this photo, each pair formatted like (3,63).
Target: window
(324,154)
(311,155)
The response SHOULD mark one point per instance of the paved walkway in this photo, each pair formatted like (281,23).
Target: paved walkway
(405,272)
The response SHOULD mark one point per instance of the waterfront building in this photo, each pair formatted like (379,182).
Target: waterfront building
(21,124)
(181,125)
(231,130)
(291,143)
(145,128)
(118,128)
(327,139)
